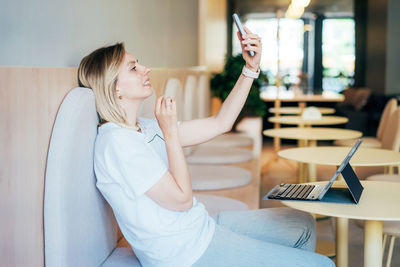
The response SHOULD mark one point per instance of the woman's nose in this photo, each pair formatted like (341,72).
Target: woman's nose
(147,70)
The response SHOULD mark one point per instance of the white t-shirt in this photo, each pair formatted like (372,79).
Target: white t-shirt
(127,164)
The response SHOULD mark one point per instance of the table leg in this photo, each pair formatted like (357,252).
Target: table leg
(391,169)
(373,243)
(302,166)
(301,172)
(342,242)
(312,168)
(312,172)
(277,140)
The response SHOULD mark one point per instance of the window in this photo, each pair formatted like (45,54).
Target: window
(338,53)
(290,46)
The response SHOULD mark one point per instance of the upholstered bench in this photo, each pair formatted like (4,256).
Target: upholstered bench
(79,226)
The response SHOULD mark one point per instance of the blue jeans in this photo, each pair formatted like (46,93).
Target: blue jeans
(265,237)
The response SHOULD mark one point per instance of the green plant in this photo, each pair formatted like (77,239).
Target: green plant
(222,83)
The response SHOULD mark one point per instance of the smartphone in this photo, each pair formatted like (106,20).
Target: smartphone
(241,30)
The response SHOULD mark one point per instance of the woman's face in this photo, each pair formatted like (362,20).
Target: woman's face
(133,80)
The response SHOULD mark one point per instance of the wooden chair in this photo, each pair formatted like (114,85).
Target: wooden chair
(391,135)
(391,229)
(383,124)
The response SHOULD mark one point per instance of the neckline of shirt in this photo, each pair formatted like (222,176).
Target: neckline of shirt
(112,125)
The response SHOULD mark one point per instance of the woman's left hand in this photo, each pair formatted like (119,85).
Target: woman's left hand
(165,112)
(254,40)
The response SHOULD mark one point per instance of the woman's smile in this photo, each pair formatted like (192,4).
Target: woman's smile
(147,82)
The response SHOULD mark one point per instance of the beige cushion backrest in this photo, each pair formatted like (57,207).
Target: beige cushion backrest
(203,96)
(173,89)
(79,226)
(391,135)
(387,112)
(189,101)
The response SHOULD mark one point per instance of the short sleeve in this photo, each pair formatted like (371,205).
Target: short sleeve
(133,163)
(153,123)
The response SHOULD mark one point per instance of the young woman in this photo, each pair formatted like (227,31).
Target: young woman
(142,173)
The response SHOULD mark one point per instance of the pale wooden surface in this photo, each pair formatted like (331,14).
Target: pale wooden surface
(297,120)
(329,155)
(29,101)
(294,110)
(313,133)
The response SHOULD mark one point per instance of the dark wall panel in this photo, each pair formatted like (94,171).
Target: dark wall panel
(376,45)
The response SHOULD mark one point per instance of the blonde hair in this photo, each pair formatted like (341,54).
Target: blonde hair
(99,71)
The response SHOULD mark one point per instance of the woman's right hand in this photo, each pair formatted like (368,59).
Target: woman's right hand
(165,112)
(254,40)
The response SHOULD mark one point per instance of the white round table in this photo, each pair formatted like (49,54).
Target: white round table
(290,96)
(378,202)
(298,120)
(309,137)
(302,99)
(334,155)
(297,110)
(313,134)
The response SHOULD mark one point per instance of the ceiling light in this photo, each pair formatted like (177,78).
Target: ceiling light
(302,3)
(294,12)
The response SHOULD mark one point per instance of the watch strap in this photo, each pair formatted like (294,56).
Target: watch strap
(249,73)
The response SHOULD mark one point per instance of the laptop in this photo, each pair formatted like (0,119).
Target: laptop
(325,193)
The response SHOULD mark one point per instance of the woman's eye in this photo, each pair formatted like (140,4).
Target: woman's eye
(134,68)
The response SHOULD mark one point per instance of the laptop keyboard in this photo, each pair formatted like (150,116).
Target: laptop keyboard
(292,191)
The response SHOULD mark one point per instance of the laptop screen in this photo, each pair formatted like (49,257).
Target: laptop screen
(343,164)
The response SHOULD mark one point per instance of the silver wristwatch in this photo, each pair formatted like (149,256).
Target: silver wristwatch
(249,73)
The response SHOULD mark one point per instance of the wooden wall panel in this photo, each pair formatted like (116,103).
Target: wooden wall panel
(213,32)
(29,100)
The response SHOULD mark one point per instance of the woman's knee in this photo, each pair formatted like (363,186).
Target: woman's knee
(304,217)
(283,226)
(306,222)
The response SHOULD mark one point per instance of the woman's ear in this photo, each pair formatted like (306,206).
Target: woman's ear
(118,92)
